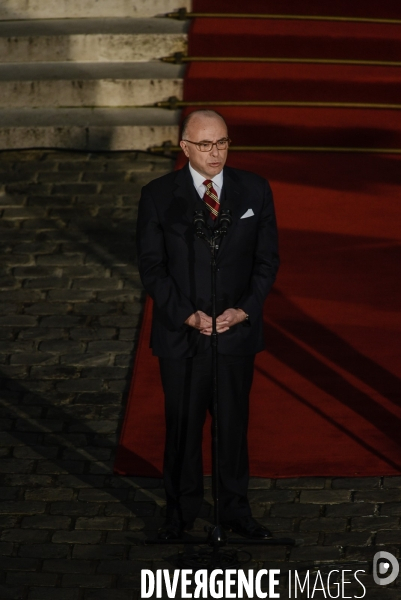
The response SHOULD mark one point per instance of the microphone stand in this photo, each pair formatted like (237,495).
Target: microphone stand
(216,537)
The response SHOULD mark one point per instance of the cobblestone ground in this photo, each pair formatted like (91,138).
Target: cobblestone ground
(70,305)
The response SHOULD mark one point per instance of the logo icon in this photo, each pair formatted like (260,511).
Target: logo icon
(385,568)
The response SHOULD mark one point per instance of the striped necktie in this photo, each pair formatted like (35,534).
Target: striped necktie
(211,199)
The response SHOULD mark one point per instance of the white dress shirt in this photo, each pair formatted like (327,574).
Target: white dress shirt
(198,180)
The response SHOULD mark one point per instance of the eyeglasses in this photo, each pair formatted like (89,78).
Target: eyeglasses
(207,146)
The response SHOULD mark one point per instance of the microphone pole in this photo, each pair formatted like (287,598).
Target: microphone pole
(216,535)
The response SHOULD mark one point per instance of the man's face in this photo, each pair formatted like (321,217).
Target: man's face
(205,129)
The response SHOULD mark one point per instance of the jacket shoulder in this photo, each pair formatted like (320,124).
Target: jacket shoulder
(161,184)
(247,178)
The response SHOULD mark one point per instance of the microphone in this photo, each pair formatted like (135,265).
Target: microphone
(225,220)
(199,222)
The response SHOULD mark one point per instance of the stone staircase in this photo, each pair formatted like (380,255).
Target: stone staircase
(84,74)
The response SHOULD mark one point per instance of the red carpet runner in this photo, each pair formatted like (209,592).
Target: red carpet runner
(326,397)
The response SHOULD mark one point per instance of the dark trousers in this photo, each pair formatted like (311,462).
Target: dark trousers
(187,385)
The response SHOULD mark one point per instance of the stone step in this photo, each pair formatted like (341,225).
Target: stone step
(78,9)
(87,129)
(91,40)
(47,85)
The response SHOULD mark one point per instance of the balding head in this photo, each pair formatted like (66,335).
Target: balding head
(199,116)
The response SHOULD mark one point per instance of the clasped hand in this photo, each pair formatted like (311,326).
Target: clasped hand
(229,318)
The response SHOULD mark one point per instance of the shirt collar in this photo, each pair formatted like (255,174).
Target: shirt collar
(198,179)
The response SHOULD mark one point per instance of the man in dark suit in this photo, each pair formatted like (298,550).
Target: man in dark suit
(174,265)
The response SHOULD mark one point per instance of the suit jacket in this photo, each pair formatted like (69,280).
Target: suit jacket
(174,264)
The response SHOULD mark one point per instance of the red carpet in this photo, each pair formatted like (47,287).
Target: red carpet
(310,39)
(326,398)
(289,82)
(390,9)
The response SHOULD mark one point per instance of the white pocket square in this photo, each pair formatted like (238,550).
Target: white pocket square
(249,213)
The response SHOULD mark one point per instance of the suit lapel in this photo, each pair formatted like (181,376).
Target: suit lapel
(184,193)
(187,202)
(233,198)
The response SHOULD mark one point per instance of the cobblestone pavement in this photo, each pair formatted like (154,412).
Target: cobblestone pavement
(70,306)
